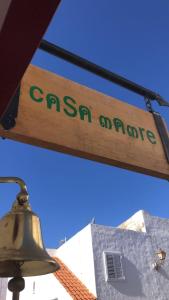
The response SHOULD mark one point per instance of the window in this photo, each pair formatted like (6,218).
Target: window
(113,266)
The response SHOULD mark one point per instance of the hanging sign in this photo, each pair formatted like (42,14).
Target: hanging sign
(62,115)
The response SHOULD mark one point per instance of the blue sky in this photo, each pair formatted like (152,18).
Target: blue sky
(126,37)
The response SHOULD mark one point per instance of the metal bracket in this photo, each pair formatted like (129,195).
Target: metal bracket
(163,132)
(8,120)
(148,105)
(161,127)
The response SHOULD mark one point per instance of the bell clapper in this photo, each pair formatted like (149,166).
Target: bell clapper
(16,285)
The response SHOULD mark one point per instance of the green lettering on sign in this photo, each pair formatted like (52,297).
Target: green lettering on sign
(118,124)
(151,137)
(84,111)
(52,99)
(34,93)
(132,131)
(71,109)
(141,130)
(105,122)
(72,112)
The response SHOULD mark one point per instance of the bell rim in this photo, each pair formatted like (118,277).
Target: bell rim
(29,268)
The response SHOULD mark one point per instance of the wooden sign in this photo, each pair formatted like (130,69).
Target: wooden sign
(62,115)
(22,25)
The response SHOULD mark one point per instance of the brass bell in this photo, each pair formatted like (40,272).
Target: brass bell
(22,251)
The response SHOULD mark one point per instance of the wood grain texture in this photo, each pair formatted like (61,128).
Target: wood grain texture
(44,126)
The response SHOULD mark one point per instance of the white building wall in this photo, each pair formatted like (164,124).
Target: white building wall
(45,287)
(77,254)
(141,280)
(3,288)
(136,222)
(156,226)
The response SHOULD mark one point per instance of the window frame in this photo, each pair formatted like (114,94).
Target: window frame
(113,253)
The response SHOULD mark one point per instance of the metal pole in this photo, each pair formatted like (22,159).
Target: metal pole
(97,70)
(15,296)
(16,285)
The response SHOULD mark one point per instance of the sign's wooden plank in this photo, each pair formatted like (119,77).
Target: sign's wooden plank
(62,115)
(22,25)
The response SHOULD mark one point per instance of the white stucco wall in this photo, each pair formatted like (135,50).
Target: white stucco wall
(44,287)
(136,222)
(141,280)
(3,288)
(156,226)
(77,254)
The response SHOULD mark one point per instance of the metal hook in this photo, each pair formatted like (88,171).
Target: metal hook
(23,195)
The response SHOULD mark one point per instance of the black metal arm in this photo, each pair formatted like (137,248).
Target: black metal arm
(97,70)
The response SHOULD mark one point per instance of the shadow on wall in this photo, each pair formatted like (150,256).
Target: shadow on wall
(163,273)
(131,286)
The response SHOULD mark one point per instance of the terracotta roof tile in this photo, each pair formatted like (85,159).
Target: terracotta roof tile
(76,289)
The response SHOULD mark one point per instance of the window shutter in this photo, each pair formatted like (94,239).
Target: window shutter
(113,266)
